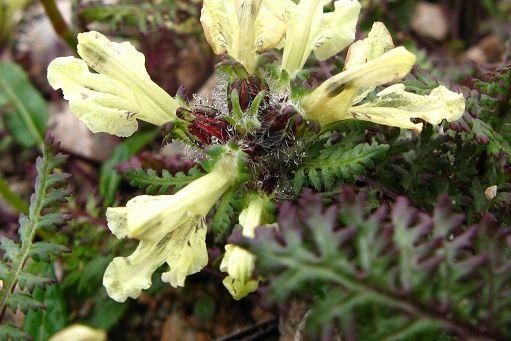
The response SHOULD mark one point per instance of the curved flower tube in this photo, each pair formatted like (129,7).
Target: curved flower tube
(238,262)
(310,30)
(371,62)
(121,92)
(171,229)
(242,28)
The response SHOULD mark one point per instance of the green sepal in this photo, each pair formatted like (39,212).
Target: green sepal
(232,70)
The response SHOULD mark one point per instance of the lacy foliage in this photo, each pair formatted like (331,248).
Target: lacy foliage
(19,282)
(392,274)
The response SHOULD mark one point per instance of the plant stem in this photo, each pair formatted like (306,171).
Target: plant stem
(12,198)
(59,24)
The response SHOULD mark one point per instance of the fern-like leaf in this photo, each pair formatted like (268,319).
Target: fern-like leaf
(23,302)
(336,162)
(224,213)
(50,192)
(413,275)
(44,251)
(9,332)
(154,183)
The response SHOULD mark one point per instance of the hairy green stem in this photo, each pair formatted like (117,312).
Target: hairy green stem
(34,217)
(59,24)
(12,198)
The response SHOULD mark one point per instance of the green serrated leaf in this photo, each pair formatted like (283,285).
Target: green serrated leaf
(298,181)
(42,324)
(30,281)
(51,220)
(56,196)
(57,179)
(44,251)
(10,248)
(336,162)
(161,184)
(9,332)
(381,270)
(4,271)
(19,257)
(224,213)
(23,302)
(314,178)
(28,119)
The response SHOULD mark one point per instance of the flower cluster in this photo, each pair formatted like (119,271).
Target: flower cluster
(252,124)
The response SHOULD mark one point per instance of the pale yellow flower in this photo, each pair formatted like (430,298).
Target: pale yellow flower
(243,28)
(79,332)
(371,62)
(171,229)
(310,30)
(238,262)
(121,91)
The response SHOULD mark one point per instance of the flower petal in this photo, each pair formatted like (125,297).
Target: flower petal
(378,42)
(122,92)
(220,24)
(146,217)
(122,62)
(251,217)
(128,276)
(396,107)
(238,289)
(184,249)
(97,100)
(152,217)
(331,100)
(117,218)
(171,228)
(79,332)
(187,253)
(271,24)
(309,29)
(336,29)
(389,67)
(239,264)
(243,27)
